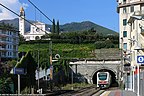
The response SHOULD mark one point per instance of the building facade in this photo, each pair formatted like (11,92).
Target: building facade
(131,24)
(131,29)
(9,41)
(37,29)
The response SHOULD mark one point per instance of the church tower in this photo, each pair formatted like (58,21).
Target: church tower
(22,21)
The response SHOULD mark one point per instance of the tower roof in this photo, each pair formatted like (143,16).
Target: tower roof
(21,9)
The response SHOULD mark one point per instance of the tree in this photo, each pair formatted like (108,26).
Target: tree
(53,26)
(58,29)
(28,63)
(21,38)
(4,85)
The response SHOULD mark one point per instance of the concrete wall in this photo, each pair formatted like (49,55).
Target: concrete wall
(88,69)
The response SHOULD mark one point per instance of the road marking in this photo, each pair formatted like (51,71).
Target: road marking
(106,93)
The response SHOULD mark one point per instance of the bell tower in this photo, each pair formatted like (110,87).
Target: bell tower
(22,21)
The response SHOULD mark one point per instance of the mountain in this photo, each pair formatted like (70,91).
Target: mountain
(68,27)
(86,25)
(15,23)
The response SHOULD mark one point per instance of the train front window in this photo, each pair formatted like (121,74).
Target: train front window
(102,76)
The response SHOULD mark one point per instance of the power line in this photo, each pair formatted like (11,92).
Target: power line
(40,11)
(20,16)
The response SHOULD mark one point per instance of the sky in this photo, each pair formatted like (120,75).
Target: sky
(101,12)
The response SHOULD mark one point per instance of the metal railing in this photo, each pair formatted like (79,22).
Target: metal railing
(22,94)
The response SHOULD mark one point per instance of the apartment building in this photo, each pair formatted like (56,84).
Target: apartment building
(8,43)
(131,29)
(130,26)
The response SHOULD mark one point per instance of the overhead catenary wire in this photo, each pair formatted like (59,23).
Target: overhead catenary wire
(40,11)
(21,17)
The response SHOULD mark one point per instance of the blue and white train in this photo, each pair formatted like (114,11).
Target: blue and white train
(103,80)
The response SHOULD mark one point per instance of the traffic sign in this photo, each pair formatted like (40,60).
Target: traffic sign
(140,59)
(18,70)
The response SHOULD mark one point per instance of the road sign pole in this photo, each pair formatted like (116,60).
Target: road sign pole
(18,84)
(140,60)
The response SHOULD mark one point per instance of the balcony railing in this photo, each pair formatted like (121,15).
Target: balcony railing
(2,49)
(139,13)
(2,43)
(128,3)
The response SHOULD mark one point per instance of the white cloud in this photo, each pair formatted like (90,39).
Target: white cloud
(13,5)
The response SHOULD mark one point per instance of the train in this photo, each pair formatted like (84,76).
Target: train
(103,80)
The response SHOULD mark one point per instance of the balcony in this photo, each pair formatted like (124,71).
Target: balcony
(126,4)
(2,49)
(139,13)
(3,35)
(2,43)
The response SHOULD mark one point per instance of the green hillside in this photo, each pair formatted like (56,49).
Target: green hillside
(86,25)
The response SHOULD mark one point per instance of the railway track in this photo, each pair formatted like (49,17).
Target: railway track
(88,91)
(103,90)
(111,88)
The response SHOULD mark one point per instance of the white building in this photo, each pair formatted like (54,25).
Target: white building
(127,27)
(37,29)
(131,24)
(8,43)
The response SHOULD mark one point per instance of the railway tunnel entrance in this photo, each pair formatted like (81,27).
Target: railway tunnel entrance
(114,82)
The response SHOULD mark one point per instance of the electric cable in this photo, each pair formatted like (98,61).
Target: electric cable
(40,11)
(20,16)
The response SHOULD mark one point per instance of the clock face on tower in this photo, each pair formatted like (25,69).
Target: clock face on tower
(37,30)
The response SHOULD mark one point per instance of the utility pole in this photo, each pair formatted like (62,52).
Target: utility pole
(38,69)
(51,66)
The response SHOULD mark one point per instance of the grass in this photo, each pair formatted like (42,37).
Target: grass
(65,50)
(63,46)
(76,86)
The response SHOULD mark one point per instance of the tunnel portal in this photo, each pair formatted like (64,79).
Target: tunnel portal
(114,82)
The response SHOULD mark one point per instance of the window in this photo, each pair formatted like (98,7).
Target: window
(124,10)
(133,25)
(125,46)
(8,46)
(124,33)
(8,53)
(142,8)
(124,22)
(124,1)
(132,9)
(102,76)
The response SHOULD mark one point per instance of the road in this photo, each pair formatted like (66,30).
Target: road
(118,93)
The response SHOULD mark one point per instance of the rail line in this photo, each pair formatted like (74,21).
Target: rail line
(87,91)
